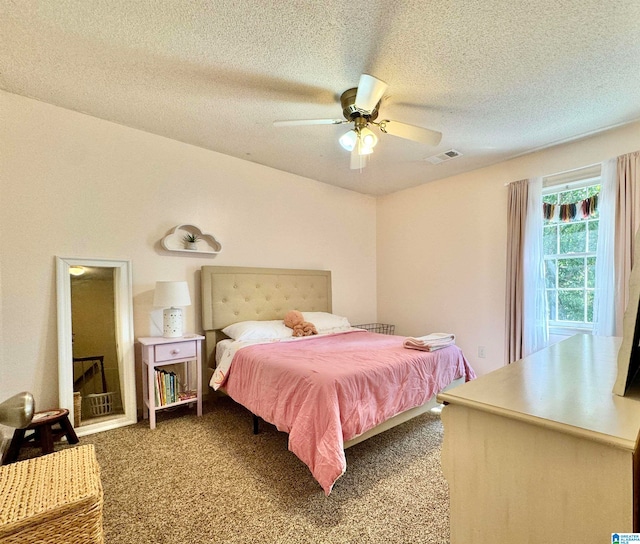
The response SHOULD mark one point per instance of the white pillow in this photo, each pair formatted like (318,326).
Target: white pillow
(326,322)
(258,330)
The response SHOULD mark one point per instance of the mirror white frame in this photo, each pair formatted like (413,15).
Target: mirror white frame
(124,341)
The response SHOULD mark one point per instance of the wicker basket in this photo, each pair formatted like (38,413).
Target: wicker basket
(382,328)
(53,499)
(77,409)
(101,404)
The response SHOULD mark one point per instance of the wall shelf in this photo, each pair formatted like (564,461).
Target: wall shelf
(207,243)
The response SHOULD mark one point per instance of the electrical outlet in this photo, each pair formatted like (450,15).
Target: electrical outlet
(481,352)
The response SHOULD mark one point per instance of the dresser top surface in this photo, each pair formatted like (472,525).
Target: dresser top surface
(567,386)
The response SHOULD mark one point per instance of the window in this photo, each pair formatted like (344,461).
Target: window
(570,258)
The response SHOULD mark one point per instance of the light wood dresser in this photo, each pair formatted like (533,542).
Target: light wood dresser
(542,451)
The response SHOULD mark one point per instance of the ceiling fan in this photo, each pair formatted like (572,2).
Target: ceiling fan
(360,107)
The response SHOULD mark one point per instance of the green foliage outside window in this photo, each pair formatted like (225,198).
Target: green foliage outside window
(550,239)
(570,306)
(593,236)
(573,237)
(591,272)
(571,273)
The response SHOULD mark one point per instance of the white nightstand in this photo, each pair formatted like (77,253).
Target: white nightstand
(157,352)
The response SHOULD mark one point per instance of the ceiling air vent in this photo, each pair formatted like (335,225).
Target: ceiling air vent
(442,157)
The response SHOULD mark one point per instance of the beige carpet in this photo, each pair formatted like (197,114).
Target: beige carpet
(209,479)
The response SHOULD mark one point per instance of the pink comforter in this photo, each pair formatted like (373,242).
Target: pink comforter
(325,390)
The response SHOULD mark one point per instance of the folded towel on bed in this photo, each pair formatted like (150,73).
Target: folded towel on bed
(430,342)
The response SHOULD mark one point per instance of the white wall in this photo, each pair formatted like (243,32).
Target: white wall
(76,186)
(442,246)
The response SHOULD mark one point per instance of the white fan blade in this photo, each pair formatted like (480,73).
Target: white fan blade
(411,132)
(370,91)
(358,162)
(298,122)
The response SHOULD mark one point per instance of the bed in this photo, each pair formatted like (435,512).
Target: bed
(301,385)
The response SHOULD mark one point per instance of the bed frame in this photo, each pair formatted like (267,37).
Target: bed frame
(231,294)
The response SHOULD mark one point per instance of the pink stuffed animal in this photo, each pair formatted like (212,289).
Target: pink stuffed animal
(294,320)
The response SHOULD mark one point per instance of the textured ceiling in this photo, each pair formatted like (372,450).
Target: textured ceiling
(498,78)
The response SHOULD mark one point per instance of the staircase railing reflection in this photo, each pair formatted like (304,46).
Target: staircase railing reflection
(86,375)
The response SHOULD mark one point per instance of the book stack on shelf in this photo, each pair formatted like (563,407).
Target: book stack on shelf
(168,389)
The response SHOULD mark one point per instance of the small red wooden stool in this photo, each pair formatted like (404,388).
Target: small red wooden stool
(44,434)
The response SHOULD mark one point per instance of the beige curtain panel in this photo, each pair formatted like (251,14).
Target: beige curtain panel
(516,215)
(627,222)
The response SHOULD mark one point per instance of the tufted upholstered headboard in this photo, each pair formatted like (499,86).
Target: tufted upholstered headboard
(231,294)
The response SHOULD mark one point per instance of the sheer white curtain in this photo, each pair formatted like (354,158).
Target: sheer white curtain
(535,330)
(604,314)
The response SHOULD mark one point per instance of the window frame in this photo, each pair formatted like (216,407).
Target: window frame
(558,327)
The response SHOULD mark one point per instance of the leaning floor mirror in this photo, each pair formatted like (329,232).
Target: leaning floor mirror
(96,363)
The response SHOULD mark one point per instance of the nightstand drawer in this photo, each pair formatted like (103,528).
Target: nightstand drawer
(177,350)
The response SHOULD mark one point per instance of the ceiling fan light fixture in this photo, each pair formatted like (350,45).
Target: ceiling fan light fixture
(360,106)
(368,138)
(348,140)
(362,148)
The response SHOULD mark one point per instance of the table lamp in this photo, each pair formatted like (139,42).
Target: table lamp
(172,294)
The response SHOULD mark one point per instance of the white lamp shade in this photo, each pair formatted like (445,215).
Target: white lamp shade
(348,140)
(171,293)
(363,149)
(368,138)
